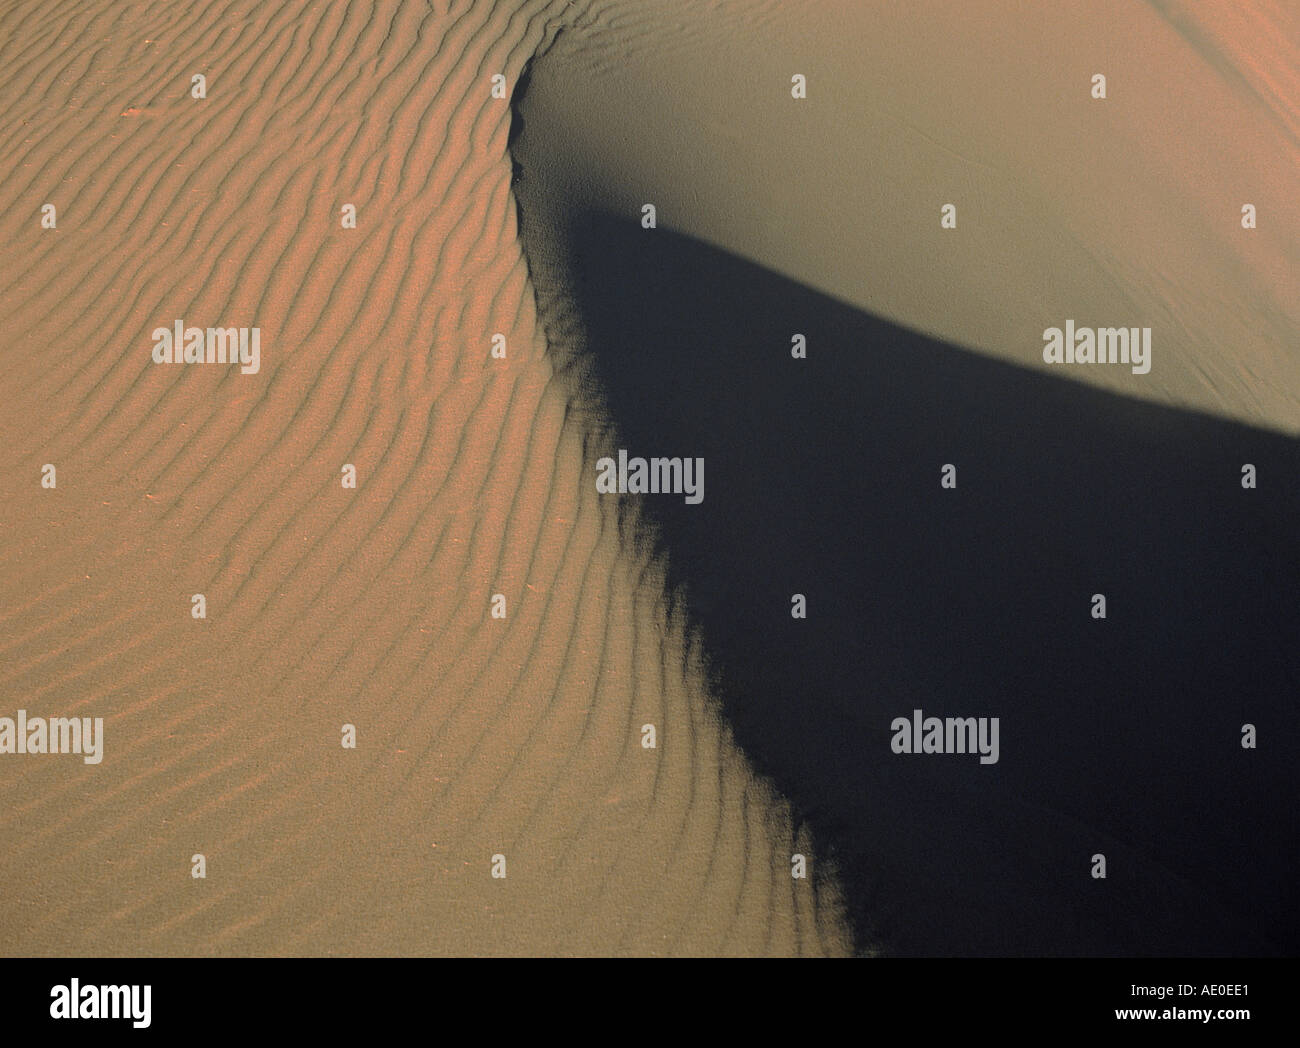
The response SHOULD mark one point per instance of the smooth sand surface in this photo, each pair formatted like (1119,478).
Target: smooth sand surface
(327,606)
(1114,212)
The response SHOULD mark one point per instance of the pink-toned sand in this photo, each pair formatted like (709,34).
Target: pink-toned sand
(329,606)
(371,606)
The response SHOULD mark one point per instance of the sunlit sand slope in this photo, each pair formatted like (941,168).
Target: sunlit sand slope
(327,605)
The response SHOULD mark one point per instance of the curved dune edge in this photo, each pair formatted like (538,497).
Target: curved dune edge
(1069,207)
(325,605)
(1114,212)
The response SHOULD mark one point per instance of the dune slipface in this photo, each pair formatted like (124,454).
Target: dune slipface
(874,226)
(326,605)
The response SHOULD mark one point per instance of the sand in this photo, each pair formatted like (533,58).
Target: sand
(777,215)
(521,737)
(328,606)
(1122,211)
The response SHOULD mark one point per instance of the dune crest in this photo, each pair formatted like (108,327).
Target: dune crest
(1122,211)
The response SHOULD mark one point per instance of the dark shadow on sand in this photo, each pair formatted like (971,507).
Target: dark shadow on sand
(1119,737)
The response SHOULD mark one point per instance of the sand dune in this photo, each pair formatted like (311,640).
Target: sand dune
(821,215)
(325,605)
(482,213)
